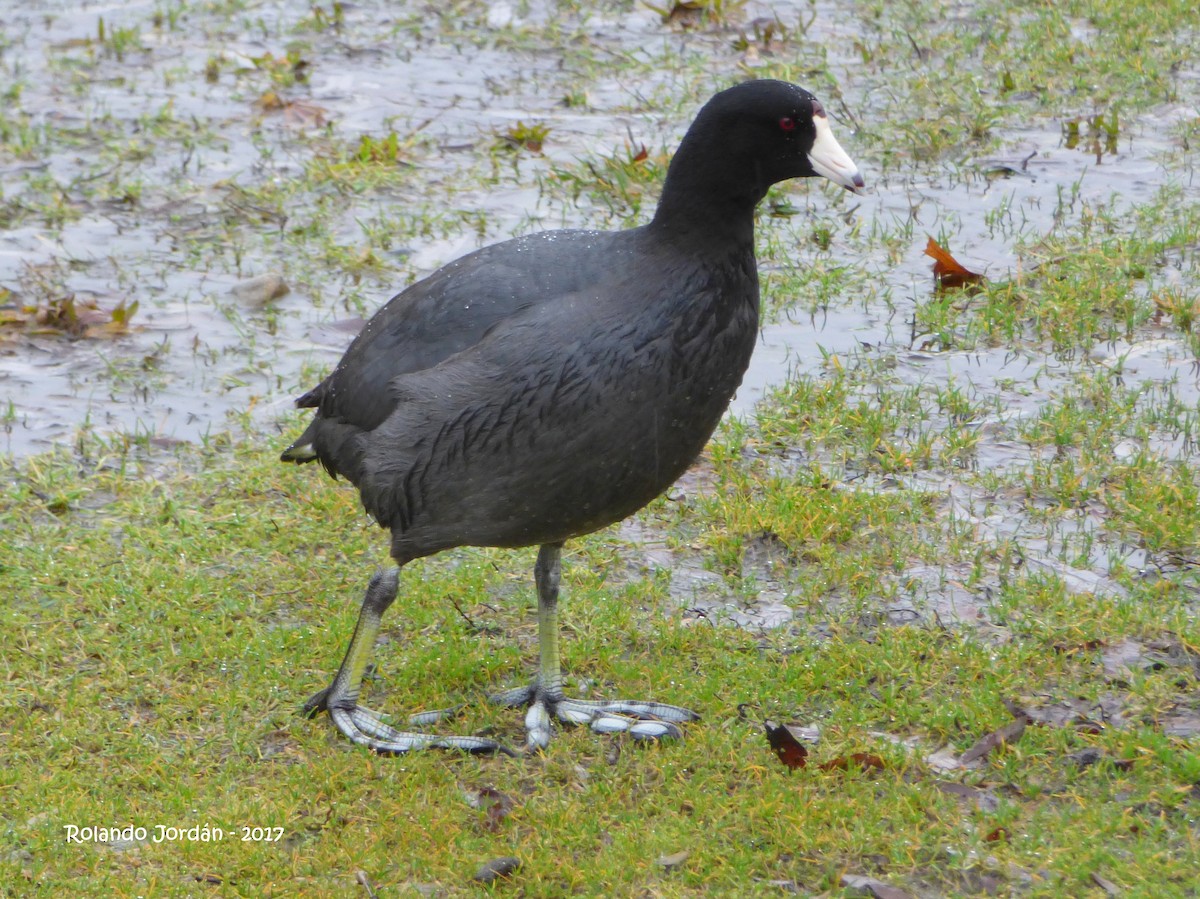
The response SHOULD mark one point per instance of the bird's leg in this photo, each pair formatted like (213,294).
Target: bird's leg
(642,720)
(340,698)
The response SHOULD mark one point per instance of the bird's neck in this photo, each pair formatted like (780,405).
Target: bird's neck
(706,220)
(711,199)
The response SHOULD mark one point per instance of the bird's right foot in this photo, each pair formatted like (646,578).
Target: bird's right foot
(366,727)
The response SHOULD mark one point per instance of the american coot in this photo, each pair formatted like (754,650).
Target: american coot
(553,384)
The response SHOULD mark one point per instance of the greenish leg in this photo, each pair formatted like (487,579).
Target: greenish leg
(642,720)
(340,699)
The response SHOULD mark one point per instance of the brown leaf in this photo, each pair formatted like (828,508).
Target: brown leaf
(790,750)
(82,318)
(1010,733)
(867,761)
(948,272)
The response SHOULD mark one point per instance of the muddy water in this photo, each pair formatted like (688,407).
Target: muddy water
(199,355)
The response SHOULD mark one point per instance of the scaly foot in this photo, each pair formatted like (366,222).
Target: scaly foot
(641,720)
(366,727)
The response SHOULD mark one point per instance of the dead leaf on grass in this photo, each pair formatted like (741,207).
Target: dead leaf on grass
(1070,649)
(1119,660)
(866,761)
(364,880)
(787,747)
(1010,733)
(948,272)
(1181,721)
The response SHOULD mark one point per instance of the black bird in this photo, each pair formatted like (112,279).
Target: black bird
(544,387)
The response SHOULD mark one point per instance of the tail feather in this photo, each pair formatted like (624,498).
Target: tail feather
(299,453)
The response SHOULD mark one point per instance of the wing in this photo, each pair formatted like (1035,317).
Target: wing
(450,311)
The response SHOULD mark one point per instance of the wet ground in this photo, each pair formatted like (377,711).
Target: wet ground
(154,151)
(181,162)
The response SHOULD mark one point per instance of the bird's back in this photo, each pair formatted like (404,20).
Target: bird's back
(537,389)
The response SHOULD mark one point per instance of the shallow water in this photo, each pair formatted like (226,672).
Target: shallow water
(197,356)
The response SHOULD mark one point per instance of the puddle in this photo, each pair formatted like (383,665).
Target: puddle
(197,358)
(798,346)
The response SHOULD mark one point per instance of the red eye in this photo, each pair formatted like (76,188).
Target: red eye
(787,123)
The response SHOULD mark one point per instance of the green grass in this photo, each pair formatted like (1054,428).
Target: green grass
(171,617)
(948,543)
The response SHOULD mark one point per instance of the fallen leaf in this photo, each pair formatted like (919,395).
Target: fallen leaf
(13,318)
(1010,733)
(943,759)
(789,749)
(1181,721)
(948,272)
(867,761)
(1105,884)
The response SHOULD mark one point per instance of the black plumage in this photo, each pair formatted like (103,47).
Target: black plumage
(545,387)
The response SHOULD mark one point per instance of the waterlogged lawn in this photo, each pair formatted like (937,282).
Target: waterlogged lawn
(954,545)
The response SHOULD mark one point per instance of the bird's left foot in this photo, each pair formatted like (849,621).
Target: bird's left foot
(641,720)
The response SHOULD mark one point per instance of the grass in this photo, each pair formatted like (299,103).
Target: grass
(990,504)
(157,657)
